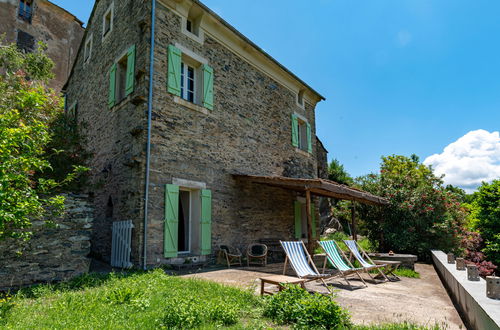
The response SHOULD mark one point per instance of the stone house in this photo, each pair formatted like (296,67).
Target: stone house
(26,22)
(189,129)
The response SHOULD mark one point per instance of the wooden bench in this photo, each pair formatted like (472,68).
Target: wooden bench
(280,281)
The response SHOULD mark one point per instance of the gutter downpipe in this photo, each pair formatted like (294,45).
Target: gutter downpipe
(148,143)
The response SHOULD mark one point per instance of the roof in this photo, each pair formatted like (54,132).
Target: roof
(250,42)
(319,187)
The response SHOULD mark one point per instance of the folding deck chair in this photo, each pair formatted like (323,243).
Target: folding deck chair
(355,249)
(302,263)
(334,257)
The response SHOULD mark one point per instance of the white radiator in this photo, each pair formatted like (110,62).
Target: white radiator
(120,244)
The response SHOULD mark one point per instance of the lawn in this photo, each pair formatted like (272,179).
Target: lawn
(150,300)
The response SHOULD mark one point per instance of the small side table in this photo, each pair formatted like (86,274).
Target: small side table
(390,268)
(279,280)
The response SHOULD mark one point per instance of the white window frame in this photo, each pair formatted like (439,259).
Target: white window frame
(195,61)
(110,10)
(185,66)
(302,120)
(87,54)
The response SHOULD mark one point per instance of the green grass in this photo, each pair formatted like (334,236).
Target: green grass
(406,272)
(142,300)
(135,301)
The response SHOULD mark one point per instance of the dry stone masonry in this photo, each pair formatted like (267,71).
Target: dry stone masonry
(54,253)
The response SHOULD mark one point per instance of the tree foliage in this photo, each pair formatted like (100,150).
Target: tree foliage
(487,222)
(337,173)
(27,109)
(422,214)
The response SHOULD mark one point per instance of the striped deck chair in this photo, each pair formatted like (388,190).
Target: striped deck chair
(302,263)
(335,258)
(355,249)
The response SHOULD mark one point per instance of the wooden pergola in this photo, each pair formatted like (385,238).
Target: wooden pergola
(318,187)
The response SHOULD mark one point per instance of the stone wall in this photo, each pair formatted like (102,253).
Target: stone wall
(115,137)
(247,132)
(54,253)
(60,30)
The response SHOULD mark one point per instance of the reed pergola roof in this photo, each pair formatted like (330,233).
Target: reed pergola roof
(319,187)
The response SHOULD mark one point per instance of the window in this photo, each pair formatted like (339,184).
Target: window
(190,78)
(188,82)
(191,25)
(301,133)
(107,21)
(26,10)
(88,49)
(122,78)
(300,99)
(25,41)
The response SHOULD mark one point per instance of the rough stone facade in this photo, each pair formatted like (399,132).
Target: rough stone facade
(247,132)
(54,253)
(60,30)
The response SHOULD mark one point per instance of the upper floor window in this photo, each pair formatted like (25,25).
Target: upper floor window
(188,82)
(301,133)
(191,25)
(107,21)
(122,78)
(300,98)
(88,49)
(25,41)
(26,10)
(190,78)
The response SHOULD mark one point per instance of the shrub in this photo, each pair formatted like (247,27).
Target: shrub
(421,215)
(296,306)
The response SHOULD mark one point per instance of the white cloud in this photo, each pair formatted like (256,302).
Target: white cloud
(404,38)
(470,160)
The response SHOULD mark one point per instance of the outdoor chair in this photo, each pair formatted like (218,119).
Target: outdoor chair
(355,249)
(302,263)
(230,255)
(335,258)
(257,253)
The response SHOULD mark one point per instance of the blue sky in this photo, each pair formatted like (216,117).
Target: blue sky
(400,76)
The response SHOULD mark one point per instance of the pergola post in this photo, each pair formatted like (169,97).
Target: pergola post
(310,243)
(353,222)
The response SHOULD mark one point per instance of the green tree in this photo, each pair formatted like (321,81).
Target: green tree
(337,173)
(422,214)
(27,109)
(487,223)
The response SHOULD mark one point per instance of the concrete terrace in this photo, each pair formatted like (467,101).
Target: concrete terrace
(423,301)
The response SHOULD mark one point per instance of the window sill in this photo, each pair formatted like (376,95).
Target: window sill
(190,105)
(302,152)
(121,103)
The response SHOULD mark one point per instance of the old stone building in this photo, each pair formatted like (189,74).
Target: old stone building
(195,133)
(26,22)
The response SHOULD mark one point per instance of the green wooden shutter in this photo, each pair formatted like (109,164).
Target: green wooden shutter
(170,238)
(206,222)
(208,87)
(309,139)
(295,131)
(174,70)
(130,71)
(313,217)
(112,86)
(298,219)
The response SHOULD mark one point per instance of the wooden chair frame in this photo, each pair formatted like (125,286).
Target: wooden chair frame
(230,258)
(261,259)
(374,266)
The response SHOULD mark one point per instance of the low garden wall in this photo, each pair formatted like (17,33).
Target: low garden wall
(479,311)
(54,253)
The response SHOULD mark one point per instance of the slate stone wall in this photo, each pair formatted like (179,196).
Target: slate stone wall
(115,137)
(248,132)
(54,253)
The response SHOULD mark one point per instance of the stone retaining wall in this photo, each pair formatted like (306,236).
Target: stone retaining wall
(54,253)
(478,311)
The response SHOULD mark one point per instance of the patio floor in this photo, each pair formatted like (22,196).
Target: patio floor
(423,301)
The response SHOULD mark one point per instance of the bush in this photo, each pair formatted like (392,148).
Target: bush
(296,306)
(421,215)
